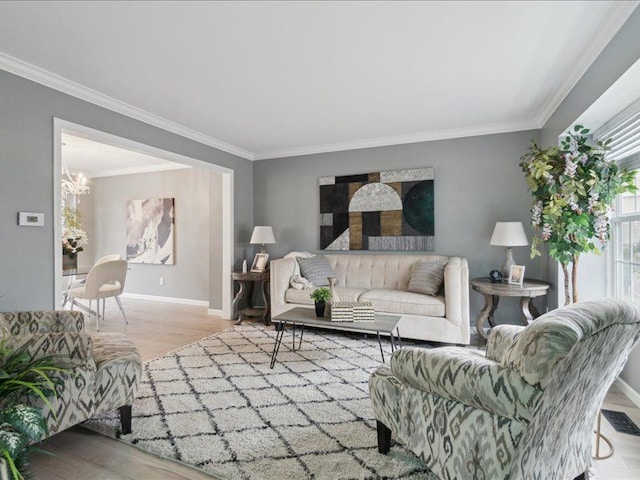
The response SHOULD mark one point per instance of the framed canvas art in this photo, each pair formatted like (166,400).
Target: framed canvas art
(391,210)
(150,231)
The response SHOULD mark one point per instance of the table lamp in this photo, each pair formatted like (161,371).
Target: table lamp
(508,234)
(262,236)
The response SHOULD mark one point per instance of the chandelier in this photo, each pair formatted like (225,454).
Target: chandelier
(75,184)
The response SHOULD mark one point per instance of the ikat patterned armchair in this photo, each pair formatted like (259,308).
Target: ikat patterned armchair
(103,369)
(524,411)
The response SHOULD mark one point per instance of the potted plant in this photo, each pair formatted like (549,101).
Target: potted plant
(573,190)
(22,376)
(321,296)
(73,237)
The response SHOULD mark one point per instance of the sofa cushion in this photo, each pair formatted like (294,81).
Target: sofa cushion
(316,269)
(398,301)
(427,275)
(303,296)
(347,294)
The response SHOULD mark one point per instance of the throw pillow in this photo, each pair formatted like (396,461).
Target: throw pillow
(427,276)
(316,270)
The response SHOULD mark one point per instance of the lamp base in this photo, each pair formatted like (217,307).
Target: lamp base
(508,263)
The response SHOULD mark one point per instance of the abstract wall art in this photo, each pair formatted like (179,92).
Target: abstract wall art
(390,210)
(150,231)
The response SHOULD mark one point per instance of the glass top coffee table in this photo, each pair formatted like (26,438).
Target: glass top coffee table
(306,317)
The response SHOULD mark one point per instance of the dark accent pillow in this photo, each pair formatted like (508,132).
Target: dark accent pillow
(427,276)
(316,270)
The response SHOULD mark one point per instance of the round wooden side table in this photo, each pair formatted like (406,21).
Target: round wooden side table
(247,282)
(493,291)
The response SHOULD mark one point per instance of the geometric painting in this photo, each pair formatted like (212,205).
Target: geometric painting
(150,231)
(391,210)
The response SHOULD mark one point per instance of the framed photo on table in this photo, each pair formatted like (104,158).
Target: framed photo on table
(260,262)
(516,275)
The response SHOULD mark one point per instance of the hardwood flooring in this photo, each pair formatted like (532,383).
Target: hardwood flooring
(158,328)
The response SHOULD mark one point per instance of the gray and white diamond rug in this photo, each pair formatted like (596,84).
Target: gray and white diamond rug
(216,405)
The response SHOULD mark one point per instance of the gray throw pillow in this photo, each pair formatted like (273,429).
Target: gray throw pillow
(427,276)
(316,270)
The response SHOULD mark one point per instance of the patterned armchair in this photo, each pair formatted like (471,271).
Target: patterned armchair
(103,370)
(526,410)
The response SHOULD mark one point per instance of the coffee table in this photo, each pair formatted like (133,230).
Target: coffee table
(306,317)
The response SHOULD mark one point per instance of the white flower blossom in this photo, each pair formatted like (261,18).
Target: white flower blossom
(574,206)
(602,228)
(546,232)
(593,201)
(569,167)
(536,214)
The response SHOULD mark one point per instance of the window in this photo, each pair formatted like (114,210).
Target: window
(623,261)
(625,246)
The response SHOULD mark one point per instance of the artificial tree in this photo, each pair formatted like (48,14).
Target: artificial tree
(573,190)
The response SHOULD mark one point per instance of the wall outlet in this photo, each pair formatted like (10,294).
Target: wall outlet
(161,281)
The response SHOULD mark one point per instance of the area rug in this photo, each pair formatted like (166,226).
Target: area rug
(216,405)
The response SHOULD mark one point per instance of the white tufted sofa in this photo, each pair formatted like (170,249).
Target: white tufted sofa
(383,280)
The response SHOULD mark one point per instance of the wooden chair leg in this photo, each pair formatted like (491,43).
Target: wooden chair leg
(125,419)
(384,437)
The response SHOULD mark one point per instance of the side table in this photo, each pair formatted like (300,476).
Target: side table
(247,283)
(493,291)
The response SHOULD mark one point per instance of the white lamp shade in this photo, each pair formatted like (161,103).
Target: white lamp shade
(262,235)
(509,234)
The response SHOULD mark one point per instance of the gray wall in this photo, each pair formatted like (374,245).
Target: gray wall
(27,110)
(619,55)
(477,182)
(189,276)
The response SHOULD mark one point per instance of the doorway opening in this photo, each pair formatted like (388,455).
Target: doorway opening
(220,290)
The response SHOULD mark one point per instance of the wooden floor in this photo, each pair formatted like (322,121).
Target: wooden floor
(158,328)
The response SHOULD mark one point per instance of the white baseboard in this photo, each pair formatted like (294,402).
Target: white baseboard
(215,312)
(155,298)
(628,391)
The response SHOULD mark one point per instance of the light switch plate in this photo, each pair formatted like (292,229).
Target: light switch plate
(30,219)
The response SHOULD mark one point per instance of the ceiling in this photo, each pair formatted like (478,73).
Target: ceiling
(96,159)
(271,79)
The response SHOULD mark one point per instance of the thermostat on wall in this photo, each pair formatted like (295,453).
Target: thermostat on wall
(30,219)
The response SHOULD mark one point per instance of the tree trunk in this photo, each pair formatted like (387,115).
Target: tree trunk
(567,293)
(574,278)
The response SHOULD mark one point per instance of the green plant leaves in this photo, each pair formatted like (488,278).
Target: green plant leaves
(28,421)
(575,187)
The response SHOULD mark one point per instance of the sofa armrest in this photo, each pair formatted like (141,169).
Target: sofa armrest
(466,377)
(281,272)
(501,337)
(21,323)
(456,295)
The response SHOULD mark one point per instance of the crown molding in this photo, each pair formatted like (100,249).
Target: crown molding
(400,140)
(610,27)
(64,85)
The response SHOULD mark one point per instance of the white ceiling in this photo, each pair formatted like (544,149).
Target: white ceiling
(96,159)
(269,79)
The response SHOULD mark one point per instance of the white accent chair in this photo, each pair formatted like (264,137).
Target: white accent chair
(79,282)
(105,279)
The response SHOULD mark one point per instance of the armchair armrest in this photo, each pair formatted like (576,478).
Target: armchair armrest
(501,337)
(21,323)
(70,349)
(466,377)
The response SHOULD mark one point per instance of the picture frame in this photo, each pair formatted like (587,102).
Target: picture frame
(259,264)
(516,275)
